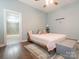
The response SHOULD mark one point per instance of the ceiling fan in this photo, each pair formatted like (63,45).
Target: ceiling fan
(47,2)
(36,0)
(51,2)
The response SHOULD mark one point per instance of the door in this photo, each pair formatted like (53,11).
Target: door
(12,27)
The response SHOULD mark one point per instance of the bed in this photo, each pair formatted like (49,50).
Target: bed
(48,40)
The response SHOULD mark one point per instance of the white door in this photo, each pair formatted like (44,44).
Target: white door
(12,21)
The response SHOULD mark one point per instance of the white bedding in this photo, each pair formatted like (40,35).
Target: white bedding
(49,40)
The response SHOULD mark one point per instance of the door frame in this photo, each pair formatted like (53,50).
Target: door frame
(5,28)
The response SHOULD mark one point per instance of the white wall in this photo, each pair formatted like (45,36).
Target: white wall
(69,25)
(31,17)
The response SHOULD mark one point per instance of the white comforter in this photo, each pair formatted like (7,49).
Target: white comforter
(49,40)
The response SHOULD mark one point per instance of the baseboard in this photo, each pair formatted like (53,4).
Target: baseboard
(23,40)
(2,45)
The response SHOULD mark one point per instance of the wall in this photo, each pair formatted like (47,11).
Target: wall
(31,18)
(69,25)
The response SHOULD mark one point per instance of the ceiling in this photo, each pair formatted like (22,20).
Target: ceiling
(41,5)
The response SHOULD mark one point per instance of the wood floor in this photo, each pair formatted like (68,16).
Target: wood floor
(16,51)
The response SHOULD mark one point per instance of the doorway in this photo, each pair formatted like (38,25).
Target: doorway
(12,27)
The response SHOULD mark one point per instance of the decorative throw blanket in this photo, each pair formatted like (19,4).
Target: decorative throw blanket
(37,51)
(40,53)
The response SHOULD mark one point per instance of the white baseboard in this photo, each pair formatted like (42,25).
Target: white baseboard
(23,40)
(2,45)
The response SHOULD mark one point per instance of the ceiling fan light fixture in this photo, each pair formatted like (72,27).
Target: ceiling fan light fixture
(47,2)
(51,1)
(56,3)
(44,6)
(36,0)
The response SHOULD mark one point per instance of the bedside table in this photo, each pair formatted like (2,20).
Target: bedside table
(67,49)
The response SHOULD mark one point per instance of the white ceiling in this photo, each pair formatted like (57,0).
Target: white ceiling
(39,4)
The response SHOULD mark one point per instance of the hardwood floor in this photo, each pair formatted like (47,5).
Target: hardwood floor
(16,51)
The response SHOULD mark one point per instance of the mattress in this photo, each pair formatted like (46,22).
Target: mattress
(49,40)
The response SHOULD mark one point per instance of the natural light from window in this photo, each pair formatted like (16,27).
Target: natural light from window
(13,19)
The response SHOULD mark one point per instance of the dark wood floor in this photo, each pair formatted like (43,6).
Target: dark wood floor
(16,51)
